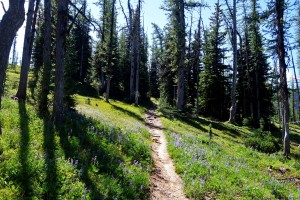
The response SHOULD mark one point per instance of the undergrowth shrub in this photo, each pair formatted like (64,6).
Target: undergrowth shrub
(262,141)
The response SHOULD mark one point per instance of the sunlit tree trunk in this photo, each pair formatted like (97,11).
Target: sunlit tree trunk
(234,48)
(27,48)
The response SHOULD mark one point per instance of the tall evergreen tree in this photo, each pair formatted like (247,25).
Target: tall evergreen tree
(213,82)
(78,54)
(254,92)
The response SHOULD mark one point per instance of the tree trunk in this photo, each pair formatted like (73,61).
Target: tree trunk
(102,78)
(46,68)
(111,38)
(234,48)
(138,35)
(10,23)
(181,53)
(131,52)
(198,64)
(283,80)
(107,89)
(297,86)
(27,48)
(62,22)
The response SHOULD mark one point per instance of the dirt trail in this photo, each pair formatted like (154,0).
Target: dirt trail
(165,183)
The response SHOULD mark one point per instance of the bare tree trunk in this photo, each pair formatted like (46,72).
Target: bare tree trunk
(14,59)
(131,43)
(62,21)
(102,78)
(181,52)
(10,23)
(107,89)
(138,60)
(198,54)
(112,22)
(27,48)
(297,86)
(283,80)
(46,68)
(234,48)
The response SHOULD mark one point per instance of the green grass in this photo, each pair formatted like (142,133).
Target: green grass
(223,167)
(86,159)
(115,112)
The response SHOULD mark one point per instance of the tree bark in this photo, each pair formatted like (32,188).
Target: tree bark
(131,44)
(107,89)
(283,80)
(234,48)
(27,48)
(46,69)
(138,35)
(102,78)
(62,22)
(181,53)
(10,23)
(111,38)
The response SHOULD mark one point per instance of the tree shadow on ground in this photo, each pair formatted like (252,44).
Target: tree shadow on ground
(25,178)
(94,153)
(49,147)
(199,123)
(128,112)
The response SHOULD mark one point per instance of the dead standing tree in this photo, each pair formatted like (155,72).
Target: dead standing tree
(279,9)
(27,47)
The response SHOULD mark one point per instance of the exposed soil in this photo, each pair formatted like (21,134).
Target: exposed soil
(165,183)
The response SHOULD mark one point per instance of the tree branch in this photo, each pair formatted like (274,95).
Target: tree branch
(3,7)
(124,13)
(87,18)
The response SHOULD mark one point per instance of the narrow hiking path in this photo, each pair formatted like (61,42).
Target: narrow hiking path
(165,183)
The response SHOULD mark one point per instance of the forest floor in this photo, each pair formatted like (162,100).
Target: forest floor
(165,183)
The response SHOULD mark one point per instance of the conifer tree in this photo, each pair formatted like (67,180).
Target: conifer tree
(213,82)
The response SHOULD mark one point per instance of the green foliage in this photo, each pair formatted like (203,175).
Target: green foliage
(262,141)
(224,168)
(254,92)
(86,159)
(78,55)
(214,86)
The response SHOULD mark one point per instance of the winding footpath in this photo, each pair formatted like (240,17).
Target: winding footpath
(165,183)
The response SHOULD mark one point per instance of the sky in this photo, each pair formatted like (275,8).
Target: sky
(151,14)
(150,8)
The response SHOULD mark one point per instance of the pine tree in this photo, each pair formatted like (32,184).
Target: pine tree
(254,91)
(78,55)
(213,82)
